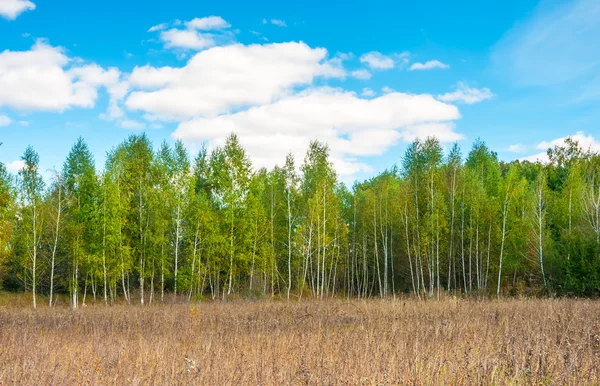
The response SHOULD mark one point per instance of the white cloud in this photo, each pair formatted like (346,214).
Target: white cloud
(429,65)
(352,126)
(361,74)
(259,35)
(466,94)
(44,78)
(516,148)
(15,166)
(148,77)
(5,120)
(196,34)
(131,124)
(402,57)
(278,22)
(95,76)
(220,79)
(586,142)
(207,23)
(367,92)
(387,90)
(186,38)
(158,27)
(10,9)
(377,61)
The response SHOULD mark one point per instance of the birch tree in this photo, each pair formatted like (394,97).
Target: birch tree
(32,186)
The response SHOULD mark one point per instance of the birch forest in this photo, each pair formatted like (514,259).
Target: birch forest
(156,222)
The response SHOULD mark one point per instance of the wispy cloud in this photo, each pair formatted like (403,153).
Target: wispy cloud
(5,120)
(466,94)
(207,23)
(196,34)
(278,22)
(367,92)
(557,45)
(131,124)
(429,65)
(158,27)
(259,35)
(361,74)
(516,148)
(377,60)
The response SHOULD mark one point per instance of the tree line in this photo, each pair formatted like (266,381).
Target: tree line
(155,221)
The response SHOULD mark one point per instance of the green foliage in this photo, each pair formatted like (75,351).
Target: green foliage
(155,221)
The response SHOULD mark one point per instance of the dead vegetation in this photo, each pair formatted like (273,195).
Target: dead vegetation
(376,342)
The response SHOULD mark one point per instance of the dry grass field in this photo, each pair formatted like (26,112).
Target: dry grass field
(333,342)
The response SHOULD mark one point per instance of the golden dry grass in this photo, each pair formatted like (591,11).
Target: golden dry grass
(376,342)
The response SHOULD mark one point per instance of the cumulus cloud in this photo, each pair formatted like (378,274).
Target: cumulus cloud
(148,77)
(466,94)
(272,95)
(111,79)
(5,120)
(429,65)
(377,61)
(10,9)
(220,79)
(44,78)
(586,142)
(352,126)
(14,166)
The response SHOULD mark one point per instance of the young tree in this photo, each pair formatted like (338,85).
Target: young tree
(452,171)
(231,169)
(138,184)
(539,211)
(512,186)
(7,217)
(32,189)
(56,201)
(291,192)
(181,174)
(81,208)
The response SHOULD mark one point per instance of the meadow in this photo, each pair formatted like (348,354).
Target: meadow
(333,342)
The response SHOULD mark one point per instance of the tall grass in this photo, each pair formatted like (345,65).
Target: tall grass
(375,342)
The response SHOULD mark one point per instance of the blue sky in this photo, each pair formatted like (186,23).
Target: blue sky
(366,76)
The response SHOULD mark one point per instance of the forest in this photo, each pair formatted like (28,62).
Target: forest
(156,221)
